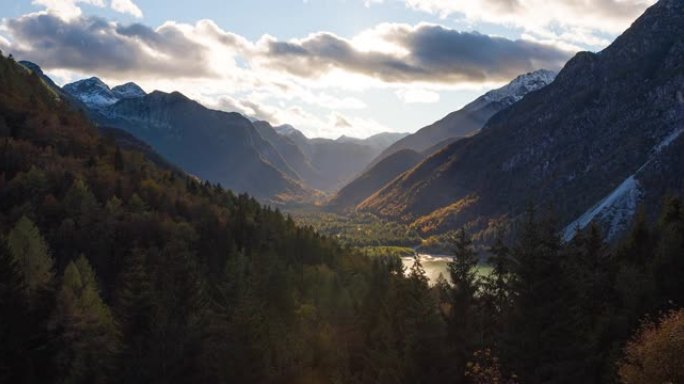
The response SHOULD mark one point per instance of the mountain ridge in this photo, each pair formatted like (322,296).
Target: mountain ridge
(567,145)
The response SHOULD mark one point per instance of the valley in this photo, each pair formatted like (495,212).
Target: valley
(188,203)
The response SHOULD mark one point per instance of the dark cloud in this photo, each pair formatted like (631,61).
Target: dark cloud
(93,44)
(435,54)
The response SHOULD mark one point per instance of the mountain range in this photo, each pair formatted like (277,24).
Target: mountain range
(410,150)
(601,140)
(595,142)
(227,148)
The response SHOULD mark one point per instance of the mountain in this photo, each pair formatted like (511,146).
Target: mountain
(216,146)
(127,91)
(330,164)
(410,150)
(290,152)
(602,139)
(35,68)
(247,156)
(374,178)
(93,92)
(472,117)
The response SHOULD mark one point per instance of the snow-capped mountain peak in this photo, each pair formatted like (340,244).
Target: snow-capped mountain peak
(128,90)
(94,93)
(514,91)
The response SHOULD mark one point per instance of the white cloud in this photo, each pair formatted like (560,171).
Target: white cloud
(579,21)
(127,6)
(604,15)
(66,9)
(224,70)
(417,96)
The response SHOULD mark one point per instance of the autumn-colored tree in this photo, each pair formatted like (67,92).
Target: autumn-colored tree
(656,353)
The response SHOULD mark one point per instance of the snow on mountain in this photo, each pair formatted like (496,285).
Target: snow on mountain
(95,94)
(128,90)
(515,90)
(92,92)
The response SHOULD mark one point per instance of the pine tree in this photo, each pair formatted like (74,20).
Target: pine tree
(135,309)
(118,159)
(496,298)
(669,254)
(461,319)
(423,330)
(88,335)
(14,310)
(541,339)
(29,249)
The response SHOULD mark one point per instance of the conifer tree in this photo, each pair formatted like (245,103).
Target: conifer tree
(135,310)
(461,319)
(541,338)
(88,335)
(30,251)
(14,310)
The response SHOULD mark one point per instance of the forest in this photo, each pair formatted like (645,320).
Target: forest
(116,269)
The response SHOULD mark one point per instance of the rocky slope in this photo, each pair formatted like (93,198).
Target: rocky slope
(600,140)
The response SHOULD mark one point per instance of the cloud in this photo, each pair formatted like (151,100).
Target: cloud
(69,9)
(300,81)
(66,9)
(341,122)
(93,44)
(431,53)
(573,17)
(417,96)
(127,6)
(408,54)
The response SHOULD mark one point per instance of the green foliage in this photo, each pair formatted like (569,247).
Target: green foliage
(358,230)
(461,299)
(14,309)
(88,335)
(30,252)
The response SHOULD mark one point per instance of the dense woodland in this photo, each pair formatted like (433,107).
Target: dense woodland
(113,269)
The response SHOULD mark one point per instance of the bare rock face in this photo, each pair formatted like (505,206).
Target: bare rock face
(604,138)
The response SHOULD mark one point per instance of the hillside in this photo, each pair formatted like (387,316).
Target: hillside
(603,137)
(373,179)
(216,146)
(142,271)
(468,120)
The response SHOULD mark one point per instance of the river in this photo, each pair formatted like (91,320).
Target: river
(435,265)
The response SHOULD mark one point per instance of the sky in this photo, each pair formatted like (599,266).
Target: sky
(327,67)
